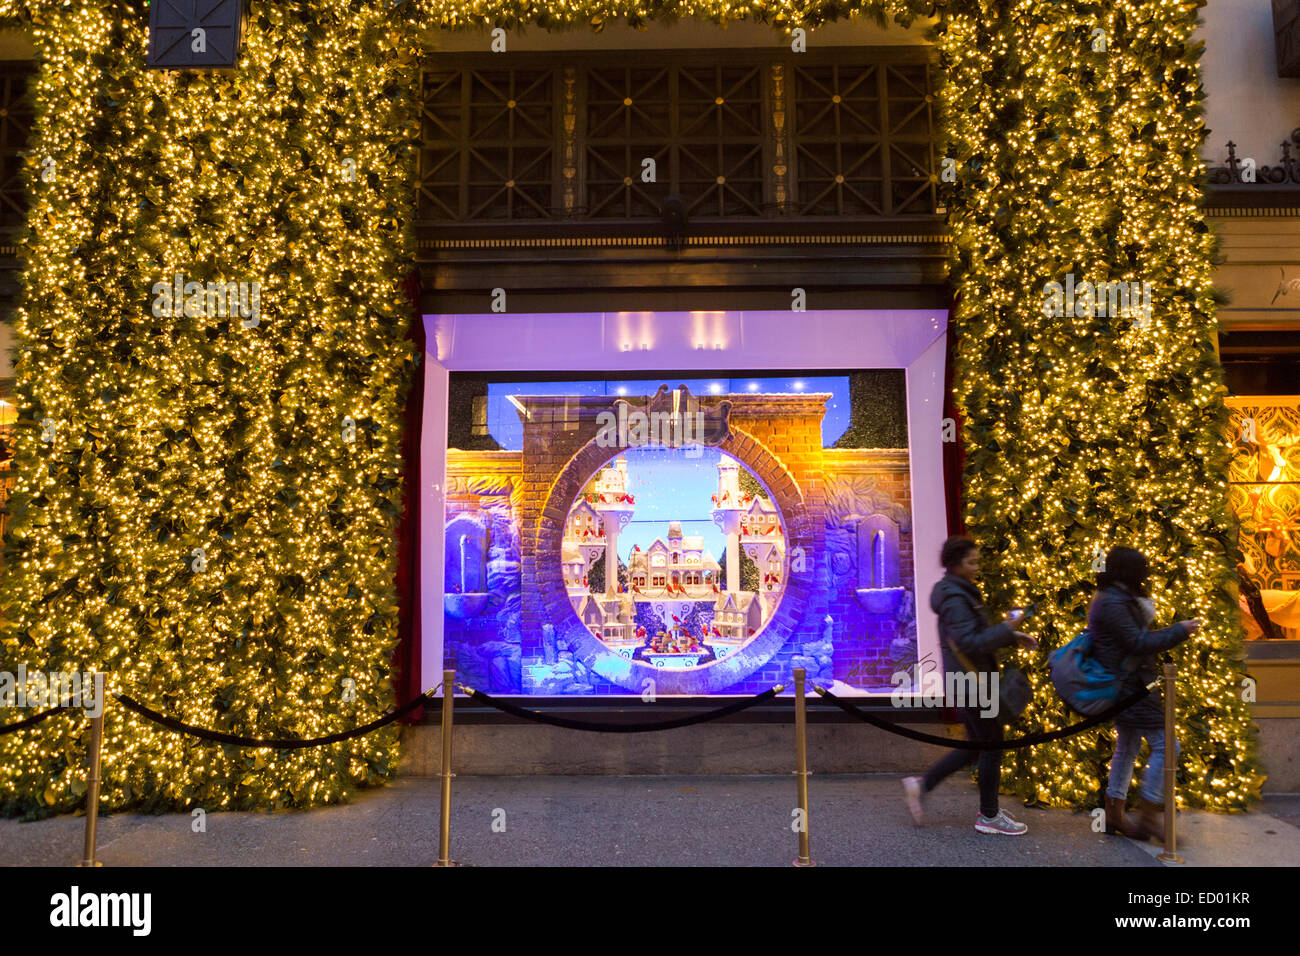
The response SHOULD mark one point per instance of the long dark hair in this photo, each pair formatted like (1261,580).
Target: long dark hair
(1126,566)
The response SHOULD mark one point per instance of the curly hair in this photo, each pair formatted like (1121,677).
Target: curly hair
(954,550)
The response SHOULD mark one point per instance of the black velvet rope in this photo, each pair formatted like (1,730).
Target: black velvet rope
(217,736)
(604,728)
(953,744)
(31,721)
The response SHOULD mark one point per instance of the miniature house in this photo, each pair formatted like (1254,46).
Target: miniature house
(736,614)
(583,523)
(612,482)
(617,624)
(679,566)
(573,565)
(772,572)
(761,518)
(591,615)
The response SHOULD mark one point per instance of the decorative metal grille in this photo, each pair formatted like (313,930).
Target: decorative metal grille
(1244,171)
(738,134)
(15,126)
(702,127)
(488,150)
(863,140)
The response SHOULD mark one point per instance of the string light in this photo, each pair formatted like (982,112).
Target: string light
(181,433)
(1079,157)
(184,433)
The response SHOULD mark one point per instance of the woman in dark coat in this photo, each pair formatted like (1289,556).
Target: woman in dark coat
(962,622)
(1118,619)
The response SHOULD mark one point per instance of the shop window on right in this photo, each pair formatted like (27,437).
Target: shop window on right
(1264,493)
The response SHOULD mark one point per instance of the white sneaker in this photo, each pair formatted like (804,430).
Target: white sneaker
(912,790)
(1002,825)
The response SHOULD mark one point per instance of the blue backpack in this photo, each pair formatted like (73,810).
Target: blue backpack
(1081,680)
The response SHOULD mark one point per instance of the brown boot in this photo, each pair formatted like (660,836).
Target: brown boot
(1151,819)
(1117,822)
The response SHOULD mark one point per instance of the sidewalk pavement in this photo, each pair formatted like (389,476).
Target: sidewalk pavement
(856,820)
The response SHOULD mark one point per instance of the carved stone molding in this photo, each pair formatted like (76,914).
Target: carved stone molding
(850,498)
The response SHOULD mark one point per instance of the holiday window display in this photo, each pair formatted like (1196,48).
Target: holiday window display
(619,546)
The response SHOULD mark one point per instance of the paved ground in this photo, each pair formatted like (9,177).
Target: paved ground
(678,821)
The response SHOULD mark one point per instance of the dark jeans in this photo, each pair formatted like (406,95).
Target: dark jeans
(989,766)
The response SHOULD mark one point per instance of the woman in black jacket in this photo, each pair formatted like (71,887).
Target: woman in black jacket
(962,622)
(1118,619)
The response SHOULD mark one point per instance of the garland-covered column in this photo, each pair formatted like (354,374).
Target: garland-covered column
(1076,134)
(209,482)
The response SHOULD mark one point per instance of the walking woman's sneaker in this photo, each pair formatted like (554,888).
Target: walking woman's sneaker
(1001,824)
(912,790)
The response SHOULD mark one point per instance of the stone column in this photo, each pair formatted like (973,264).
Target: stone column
(728,520)
(612,518)
(610,521)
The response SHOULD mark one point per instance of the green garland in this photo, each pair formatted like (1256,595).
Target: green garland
(212,523)
(1084,432)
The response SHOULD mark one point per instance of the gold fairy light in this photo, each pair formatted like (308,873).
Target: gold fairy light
(182,433)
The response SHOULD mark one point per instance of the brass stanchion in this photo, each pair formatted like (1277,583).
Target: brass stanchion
(444,823)
(92,785)
(1170,855)
(801,753)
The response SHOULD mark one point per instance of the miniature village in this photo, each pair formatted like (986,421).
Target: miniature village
(672,605)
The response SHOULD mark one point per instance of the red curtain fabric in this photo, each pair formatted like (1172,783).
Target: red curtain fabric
(406,659)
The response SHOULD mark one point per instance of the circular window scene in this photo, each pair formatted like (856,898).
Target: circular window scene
(674,557)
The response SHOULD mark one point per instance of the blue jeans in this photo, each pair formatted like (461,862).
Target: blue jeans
(1127,747)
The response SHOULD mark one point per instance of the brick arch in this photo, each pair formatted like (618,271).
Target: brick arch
(800,529)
